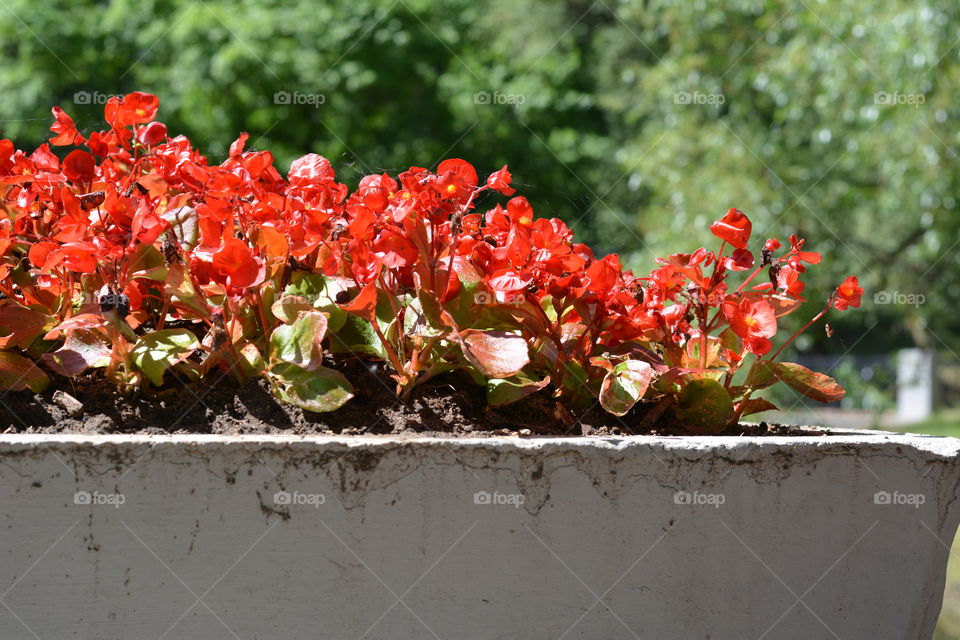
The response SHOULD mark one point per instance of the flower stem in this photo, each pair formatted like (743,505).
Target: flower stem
(799,331)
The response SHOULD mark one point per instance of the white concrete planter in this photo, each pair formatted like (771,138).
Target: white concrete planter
(283,538)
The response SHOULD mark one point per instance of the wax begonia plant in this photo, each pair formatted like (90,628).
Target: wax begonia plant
(134,255)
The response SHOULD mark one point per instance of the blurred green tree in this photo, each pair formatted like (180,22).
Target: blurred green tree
(638,122)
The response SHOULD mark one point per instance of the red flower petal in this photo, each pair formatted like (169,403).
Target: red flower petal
(848,294)
(133,108)
(152,134)
(734,228)
(500,181)
(66,131)
(237,265)
(461,168)
(79,166)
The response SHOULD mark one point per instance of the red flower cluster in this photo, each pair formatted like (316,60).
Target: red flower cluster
(134,254)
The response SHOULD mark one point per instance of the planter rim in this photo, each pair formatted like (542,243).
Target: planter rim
(832,439)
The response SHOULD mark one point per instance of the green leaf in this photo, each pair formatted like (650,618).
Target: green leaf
(156,352)
(17,373)
(179,287)
(704,406)
(818,386)
(320,390)
(357,337)
(289,307)
(502,391)
(147,262)
(321,292)
(251,361)
(574,375)
(299,343)
(625,385)
(760,375)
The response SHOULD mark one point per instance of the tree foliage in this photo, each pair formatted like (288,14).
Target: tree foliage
(637,122)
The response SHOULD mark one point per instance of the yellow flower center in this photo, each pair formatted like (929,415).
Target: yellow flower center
(451,188)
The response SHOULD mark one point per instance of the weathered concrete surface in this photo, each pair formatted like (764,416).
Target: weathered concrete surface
(283,538)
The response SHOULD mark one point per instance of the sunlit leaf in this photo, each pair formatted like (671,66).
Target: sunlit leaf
(623,387)
(16,373)
(813,385)
(299,343)
(156,352)
(319,390)
(496,354)
(502,391)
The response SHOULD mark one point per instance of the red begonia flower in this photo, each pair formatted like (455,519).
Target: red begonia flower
(66,131)
(134,108)
(152,134)
(236,265)
(79,166)
(500,181)
(848,294)
(733,228)
(754,320)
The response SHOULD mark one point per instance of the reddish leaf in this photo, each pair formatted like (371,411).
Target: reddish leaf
(625,385)
(81,350)
(760,376)
(82,321)
(755,405)
(17,373)
(496,354)
(19,326)
(818,386)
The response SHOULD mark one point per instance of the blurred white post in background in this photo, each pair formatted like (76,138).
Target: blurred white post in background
(915,392)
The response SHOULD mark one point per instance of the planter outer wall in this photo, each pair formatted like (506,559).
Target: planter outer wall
(844,536)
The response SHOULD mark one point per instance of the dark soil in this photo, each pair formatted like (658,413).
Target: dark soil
(446,406)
